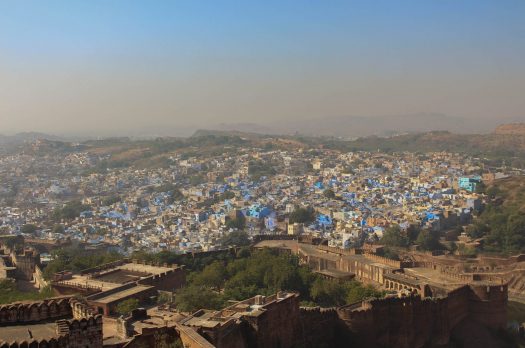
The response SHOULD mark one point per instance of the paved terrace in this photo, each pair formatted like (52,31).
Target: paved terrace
(21,332)
(114,277)
(312,250)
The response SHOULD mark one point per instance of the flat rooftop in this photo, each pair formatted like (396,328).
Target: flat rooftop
(114,277)
(21,332)
(124,293)
(312,250)
(249,307)
(138,267)
(433,277)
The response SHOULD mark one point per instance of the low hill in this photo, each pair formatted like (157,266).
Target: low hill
(510,129)
(491,146)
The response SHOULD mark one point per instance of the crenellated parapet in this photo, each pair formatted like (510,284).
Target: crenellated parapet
(411,321)
(17,313)
(84,332)
(76,325)
(386,261)
(80,309)
(59,342)
(338,251)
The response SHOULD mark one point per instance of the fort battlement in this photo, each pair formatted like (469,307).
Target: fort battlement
(76,326)
(104,267)
(17,313)
(452,274)
(58,342)
(430,317)
(260,237)
(81,309)
(339,251)
(389,262)
(318,310)
(490,292)
(79,333)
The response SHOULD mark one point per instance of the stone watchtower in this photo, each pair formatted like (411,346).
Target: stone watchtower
(25,263)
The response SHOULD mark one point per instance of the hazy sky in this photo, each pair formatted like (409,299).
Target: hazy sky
(107,66)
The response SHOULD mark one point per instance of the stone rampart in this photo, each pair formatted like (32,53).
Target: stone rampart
(389,262)
(38,277)
(168,281)
(415,322)
(339,251)
(17,313)
(84,330)
(81,333)
(104,267)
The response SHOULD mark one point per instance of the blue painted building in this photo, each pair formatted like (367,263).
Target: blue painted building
(469,183)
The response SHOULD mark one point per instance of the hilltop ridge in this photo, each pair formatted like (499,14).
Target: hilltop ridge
(510,129)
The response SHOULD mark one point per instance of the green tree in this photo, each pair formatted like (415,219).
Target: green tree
(428,240)
(328,293)
(192,298)
(394,237)
(28,229)
(235,238)
(213,275)
(58,228)
(70,210)
(127,306)
(358,292)
(302,215)
(9,293)
(237,223)
(110,200)
(329,193)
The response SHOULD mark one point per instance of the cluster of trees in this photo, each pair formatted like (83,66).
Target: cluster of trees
(264,273)
(127,306)
(76,259)
(191,262)
(235,238)
(31,228)
(258,169)
(302,215)
(425,239)
(110,200)
(70,210)
(28,229)
(9,293)
(502,222)
(238,222)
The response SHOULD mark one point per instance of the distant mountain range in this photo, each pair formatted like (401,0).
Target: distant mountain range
(28,137)
(358,126)
(349,128)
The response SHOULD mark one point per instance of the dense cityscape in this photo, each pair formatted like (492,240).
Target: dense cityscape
(147,234)
(192,203)
(262,174)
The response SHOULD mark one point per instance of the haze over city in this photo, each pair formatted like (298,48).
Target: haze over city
(262,174)
(104,68)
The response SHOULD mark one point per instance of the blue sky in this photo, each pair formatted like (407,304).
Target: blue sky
(232,61)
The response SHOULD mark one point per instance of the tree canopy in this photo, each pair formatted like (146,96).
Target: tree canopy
(302,215)
(264,273)
(127,306)
(394,237)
